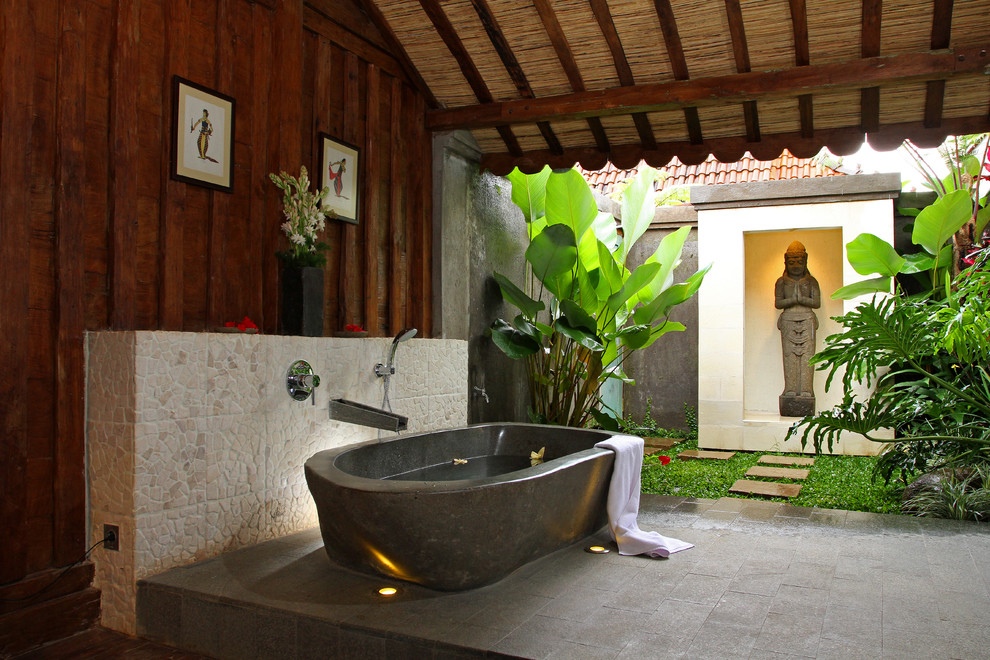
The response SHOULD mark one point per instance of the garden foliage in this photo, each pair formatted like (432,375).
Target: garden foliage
(582,309)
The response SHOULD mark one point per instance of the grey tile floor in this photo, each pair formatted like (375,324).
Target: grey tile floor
(764,580)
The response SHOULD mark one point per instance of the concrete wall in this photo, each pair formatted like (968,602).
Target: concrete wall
(666,373)
(478,231)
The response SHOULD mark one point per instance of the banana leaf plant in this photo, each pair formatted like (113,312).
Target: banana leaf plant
(582,309)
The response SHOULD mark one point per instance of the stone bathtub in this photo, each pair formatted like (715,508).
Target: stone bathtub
(461,508)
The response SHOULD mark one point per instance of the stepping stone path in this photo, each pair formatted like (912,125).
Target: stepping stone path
(765,488)
(696,454)
(655,445)
(782,470)
(776,472)
(773,488)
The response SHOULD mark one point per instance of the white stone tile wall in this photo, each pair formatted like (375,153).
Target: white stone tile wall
(194,447)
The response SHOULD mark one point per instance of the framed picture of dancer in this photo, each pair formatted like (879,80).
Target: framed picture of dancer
(340,170)
(203,136)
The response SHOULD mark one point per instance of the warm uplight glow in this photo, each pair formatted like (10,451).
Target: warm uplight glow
(387,591)
(596,549)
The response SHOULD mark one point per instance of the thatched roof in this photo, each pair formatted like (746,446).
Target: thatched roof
(562,81)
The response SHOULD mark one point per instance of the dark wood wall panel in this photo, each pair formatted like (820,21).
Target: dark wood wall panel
(95,234)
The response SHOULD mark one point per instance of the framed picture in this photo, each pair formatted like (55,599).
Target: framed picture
(203,129)
(340,170)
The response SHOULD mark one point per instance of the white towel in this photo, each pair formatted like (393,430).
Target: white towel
(623,502)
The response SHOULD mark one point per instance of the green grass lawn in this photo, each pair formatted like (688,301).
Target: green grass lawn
(835,482)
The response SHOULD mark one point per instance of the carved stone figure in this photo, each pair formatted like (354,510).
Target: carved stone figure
(798,295)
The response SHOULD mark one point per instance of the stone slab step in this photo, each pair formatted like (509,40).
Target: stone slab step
(762,472)
(786,460)
(695,454)
(649,451)
(765,488)
(661,443)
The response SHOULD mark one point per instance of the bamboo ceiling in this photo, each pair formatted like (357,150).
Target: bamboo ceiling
(565,81)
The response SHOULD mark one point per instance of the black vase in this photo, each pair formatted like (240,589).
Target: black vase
(302,301)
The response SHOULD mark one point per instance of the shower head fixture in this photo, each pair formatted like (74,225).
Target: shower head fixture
(405,334)
(382,370)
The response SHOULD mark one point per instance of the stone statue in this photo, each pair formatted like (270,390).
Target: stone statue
(798,295)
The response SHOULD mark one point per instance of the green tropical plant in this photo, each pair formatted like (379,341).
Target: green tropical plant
(961,495)
(582,310)
(924,354)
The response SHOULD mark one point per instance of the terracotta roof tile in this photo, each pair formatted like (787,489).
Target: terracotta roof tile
(712,172)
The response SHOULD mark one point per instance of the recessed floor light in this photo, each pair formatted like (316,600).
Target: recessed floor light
(596,549)
(387,591)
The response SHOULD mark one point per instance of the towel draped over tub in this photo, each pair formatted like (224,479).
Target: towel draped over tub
(623,502)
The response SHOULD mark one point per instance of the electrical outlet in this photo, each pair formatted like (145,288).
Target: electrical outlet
(111,537)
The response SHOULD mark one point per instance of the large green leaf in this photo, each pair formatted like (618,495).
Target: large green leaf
(514,295)
(917,262)
(638,209)
(587,339)
(570,202)
(641,277)
(552,252)
(644,336)
(869,254)
(674,295)
(982,219)
(938,222)
(668,255)
(529,192)
(604,229)
(513,343)
(577,317)
(856,289)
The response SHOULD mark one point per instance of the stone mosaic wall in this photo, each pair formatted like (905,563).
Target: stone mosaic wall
(195,447)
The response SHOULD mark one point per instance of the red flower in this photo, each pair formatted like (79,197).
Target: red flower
(353,327)
(664,460)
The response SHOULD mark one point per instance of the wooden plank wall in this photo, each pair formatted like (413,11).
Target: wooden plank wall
(94,233)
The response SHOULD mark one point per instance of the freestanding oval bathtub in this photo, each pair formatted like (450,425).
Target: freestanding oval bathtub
(461,508)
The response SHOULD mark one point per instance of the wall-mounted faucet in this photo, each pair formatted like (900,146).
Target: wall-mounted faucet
(300,381)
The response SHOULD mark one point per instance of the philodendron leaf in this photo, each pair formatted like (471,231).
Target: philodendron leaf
(513,343)
(939,221)
(856,289)
(869,254)
(552,252)
(514,295)
(529,192)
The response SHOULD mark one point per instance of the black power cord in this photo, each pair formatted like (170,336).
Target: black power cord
(62,574)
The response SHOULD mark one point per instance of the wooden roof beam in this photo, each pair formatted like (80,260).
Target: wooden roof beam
(563,49)
(718,90)
(474,78)
(941,35)
(869,104)
(678,63)
(512,66)
(802,57)
(604,17)
(740,50)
